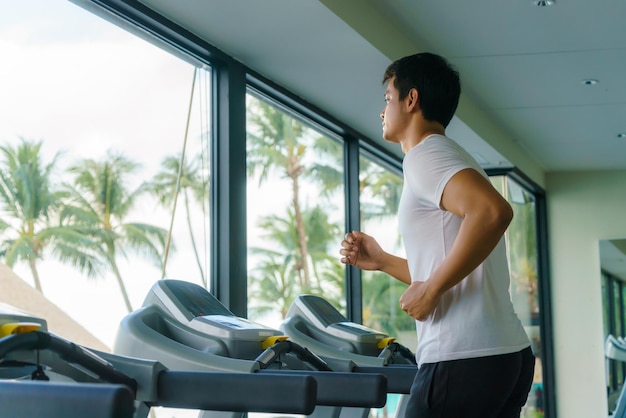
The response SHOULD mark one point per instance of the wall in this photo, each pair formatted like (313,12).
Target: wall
(583,208)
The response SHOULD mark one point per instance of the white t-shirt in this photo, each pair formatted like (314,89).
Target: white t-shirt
(475,318)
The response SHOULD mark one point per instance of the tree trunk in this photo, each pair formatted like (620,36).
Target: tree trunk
(302,244)
(35,273)
(193,241)
(120,282)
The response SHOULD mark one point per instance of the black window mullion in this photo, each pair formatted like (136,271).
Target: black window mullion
(610,299)
(354,284)
(228,188)
(546,328)
(620,310)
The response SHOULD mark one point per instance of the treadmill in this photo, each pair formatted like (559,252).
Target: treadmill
(313,322)
(184,327)
(43,375)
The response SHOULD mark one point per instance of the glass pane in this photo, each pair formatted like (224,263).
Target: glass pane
(521,238)
(295,213)
(100,118)
(617,307)
(613,296)
(617,314)
(380,191)
(605,305)
(101,125)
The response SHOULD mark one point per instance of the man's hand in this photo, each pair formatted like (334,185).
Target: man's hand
(361,250)
(419,301)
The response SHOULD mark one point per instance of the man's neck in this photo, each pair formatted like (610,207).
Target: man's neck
(421,132)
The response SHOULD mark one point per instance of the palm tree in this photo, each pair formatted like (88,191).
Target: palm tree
(278,142)
(273,286)
(279,146)
(29,204)
(166,185)
(383,186)
(380,191)
(101,203)
(275,279)
(381,310)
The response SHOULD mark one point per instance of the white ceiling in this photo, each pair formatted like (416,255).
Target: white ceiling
(526,64)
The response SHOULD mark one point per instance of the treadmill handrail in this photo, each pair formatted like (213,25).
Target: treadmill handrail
(237,392)
(273,353)
(399,377)
(344,389)
(67,350)
(35,399)
(388,352)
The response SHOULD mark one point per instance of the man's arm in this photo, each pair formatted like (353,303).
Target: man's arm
(396,267)
(364,252)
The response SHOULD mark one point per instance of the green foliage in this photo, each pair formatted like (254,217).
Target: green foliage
(28,202)
(188,178)
(100,201)
(81,224)
(298,261)
(278,279)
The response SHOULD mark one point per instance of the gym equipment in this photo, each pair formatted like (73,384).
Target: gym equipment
(45,376)
(313,322)
(615,349)
(184,327)
(35,399)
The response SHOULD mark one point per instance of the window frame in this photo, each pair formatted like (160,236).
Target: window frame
(543,274)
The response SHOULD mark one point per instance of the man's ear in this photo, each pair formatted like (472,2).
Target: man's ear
(411,99)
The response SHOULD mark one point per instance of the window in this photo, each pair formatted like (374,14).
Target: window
(522,252)
(613,290)
(106,105)
(380,190)
(295,211)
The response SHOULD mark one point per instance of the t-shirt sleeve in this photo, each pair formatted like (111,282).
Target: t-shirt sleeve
(428,170)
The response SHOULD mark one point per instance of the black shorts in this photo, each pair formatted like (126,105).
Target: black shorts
(483,387)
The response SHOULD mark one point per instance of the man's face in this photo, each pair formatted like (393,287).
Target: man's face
(392,114)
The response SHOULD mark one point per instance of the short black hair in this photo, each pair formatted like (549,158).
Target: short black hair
(435,79)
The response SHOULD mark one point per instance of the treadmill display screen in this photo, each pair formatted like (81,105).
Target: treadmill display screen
(323,310)
(195,299)
(354,328)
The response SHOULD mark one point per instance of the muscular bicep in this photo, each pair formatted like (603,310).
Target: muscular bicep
(470,193)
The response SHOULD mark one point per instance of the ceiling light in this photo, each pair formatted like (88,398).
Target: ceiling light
(544,3)
(590,82)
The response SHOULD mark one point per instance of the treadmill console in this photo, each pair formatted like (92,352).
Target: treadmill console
(325,317)
(194,306)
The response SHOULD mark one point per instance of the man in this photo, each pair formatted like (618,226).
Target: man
(473,355)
